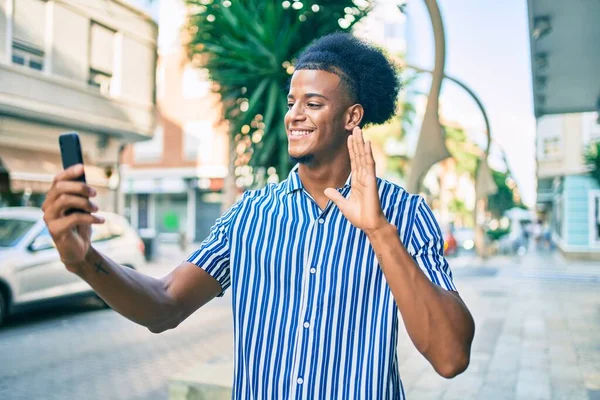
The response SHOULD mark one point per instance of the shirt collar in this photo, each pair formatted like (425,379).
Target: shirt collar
(294,183)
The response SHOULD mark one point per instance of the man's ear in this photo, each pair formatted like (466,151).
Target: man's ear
(354,116)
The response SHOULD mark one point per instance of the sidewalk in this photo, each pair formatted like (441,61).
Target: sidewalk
(537,336)
(549,265)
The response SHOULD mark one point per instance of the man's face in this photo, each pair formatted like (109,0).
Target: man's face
(317,102)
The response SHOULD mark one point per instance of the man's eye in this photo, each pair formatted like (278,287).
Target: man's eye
(314,105)
(290,105)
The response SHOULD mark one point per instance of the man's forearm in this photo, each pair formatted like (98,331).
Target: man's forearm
(437,321)
(138,297)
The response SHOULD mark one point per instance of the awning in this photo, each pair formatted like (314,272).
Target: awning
(35,170)
(564,55)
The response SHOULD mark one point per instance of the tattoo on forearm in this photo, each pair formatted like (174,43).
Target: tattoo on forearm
(99,267)
(380,259)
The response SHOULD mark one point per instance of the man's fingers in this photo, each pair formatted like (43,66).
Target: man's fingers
(74,187)
(59,226)
(359,146)
(67,201)
(369,159)
(337,198)
(66,186)
(355,149)
(70,173)
(353,160)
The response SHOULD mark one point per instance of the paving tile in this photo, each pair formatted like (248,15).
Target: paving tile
(423,394)
(490,391)
(569,392)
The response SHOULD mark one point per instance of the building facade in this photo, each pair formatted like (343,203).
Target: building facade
(72,65)
(567,195)
(566,100)
(173,183)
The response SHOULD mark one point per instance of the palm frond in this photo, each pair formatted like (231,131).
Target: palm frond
(249,46)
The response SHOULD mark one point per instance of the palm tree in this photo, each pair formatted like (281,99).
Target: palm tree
(249,49)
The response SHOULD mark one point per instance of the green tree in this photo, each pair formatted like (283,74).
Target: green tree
(592,160)
(249,48)
(464,151)
(503,199)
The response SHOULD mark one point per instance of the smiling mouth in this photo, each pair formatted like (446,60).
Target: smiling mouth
(299,133)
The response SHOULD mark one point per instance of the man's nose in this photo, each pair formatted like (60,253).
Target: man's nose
(296,112)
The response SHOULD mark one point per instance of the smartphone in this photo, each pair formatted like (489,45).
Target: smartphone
(70,152)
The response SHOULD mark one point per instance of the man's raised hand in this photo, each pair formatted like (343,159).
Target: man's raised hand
(71,233)
(363,207)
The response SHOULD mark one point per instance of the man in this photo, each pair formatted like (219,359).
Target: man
(319,265)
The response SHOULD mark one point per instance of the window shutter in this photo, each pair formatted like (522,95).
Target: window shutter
(29,24)
(102,48)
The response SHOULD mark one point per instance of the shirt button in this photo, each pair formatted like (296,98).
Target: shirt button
(300,380)
(306,325)
(321,221)
(313,270)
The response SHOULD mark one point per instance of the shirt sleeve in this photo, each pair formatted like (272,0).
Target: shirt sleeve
(427,247)
(214,253)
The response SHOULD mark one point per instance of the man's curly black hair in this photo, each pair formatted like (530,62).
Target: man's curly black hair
(371,79)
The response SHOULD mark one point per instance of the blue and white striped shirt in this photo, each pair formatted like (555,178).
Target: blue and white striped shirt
(313,315)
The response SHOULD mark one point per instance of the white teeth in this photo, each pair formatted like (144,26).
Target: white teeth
(300,133)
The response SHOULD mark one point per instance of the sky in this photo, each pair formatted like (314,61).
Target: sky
(487,48)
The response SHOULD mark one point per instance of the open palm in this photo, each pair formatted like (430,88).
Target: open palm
(363,207)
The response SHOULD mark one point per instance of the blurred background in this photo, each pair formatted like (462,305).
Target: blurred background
(179,105)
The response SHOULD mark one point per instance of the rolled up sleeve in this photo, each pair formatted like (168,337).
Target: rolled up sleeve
(213,256)
(427,247)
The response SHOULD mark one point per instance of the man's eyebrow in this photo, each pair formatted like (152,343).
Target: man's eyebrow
(309,95)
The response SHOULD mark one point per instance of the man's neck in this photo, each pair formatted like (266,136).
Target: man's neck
(317,178)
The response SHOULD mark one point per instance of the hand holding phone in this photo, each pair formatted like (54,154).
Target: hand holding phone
(71,231)
(70,151)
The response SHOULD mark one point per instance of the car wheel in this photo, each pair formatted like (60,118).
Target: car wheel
(3,308)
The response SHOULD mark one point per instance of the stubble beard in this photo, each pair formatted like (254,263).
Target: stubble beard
(306,159)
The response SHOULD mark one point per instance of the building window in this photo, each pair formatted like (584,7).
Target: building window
(551,148)
(595,217)
(196,135)
(27,56)
(550,131)
(100,80)
(101,57)
(28,33)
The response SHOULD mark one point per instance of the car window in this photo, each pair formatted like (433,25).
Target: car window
(44,240)
(13,230)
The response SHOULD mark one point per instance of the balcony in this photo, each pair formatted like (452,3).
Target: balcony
(33,95)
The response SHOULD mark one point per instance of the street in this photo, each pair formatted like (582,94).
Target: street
(537,337)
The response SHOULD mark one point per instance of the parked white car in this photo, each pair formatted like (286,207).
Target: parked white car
(30,268)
